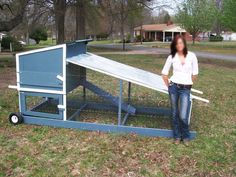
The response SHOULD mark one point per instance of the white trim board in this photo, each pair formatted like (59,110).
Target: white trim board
(41,50)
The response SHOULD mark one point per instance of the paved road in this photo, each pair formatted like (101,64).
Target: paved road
(149,50)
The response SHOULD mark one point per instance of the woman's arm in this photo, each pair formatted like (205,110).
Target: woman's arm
(194,68)
(166,80)
(194,78)
(165,70)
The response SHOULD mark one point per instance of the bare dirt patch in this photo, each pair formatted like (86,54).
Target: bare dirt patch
(7,77)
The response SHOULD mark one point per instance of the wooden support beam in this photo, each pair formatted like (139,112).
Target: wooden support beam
(107,96)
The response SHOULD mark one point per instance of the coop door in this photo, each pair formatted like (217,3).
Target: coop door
(41,105)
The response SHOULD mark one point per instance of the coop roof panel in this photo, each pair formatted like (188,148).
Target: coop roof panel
(119,70)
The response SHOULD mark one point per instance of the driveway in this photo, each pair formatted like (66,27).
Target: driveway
(139,49)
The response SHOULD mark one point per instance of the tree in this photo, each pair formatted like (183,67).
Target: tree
(229,14)
(163,17)
(39,34)
(59,12)
(218,25)
(80,19)
(134,17)
(108,14)
(11,14)
(196,16)
(127,12)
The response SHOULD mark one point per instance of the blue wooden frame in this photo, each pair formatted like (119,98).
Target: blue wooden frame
(154,132)
(33,111)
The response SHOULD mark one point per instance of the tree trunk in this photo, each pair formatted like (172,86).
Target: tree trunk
(193,38)
(141,34)
(80,19)
(60,10)
(122,25)
(122,35)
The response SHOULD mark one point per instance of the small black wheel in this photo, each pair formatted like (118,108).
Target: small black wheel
(15,118)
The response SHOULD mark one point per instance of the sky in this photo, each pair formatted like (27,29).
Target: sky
(171,3)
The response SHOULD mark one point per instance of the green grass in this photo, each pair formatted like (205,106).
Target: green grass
(49,42)
(212,47)
(102,50)
(28,150)
(7,61)
(41,44)
(104,42)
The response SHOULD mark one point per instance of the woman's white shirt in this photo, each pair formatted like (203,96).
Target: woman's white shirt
(182,73)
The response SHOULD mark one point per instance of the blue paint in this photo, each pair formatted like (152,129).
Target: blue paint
(40,79)
(103,127)
(73,77)
(120,102)
(40,69)
(75,48)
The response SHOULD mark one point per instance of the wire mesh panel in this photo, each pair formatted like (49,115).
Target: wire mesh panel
(38,104)
(42,104)
(97,102)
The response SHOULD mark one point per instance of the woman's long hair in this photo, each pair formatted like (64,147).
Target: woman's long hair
(173,49)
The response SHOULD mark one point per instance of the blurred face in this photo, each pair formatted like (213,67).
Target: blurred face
(180,45)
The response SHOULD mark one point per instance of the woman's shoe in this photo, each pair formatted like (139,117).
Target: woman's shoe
(177,141)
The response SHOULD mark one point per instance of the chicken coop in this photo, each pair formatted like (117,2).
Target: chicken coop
(47,80)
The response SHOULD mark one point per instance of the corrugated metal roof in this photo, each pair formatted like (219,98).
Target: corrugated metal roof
(120,71)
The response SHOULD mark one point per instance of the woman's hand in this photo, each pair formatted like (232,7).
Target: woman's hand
(166,80)
(194,77)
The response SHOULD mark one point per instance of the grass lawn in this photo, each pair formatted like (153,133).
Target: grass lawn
(104,42)
(28,150)
(51,42)
(213,47)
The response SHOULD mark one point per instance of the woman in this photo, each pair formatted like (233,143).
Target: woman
(185,71)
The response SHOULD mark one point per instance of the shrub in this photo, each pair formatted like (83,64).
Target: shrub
(39,34)
(126,41)
(147,40)
(128,38)
(102,36)
(15,44)
(216,38)
(138,38)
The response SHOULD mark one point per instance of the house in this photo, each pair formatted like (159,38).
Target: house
(229,36)
(160,32)
(2,35)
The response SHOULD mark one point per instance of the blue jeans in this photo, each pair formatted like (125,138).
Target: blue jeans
(180,106)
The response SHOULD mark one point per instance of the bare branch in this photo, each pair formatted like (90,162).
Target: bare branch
(7,5)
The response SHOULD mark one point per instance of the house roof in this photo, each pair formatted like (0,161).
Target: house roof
(161,27)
